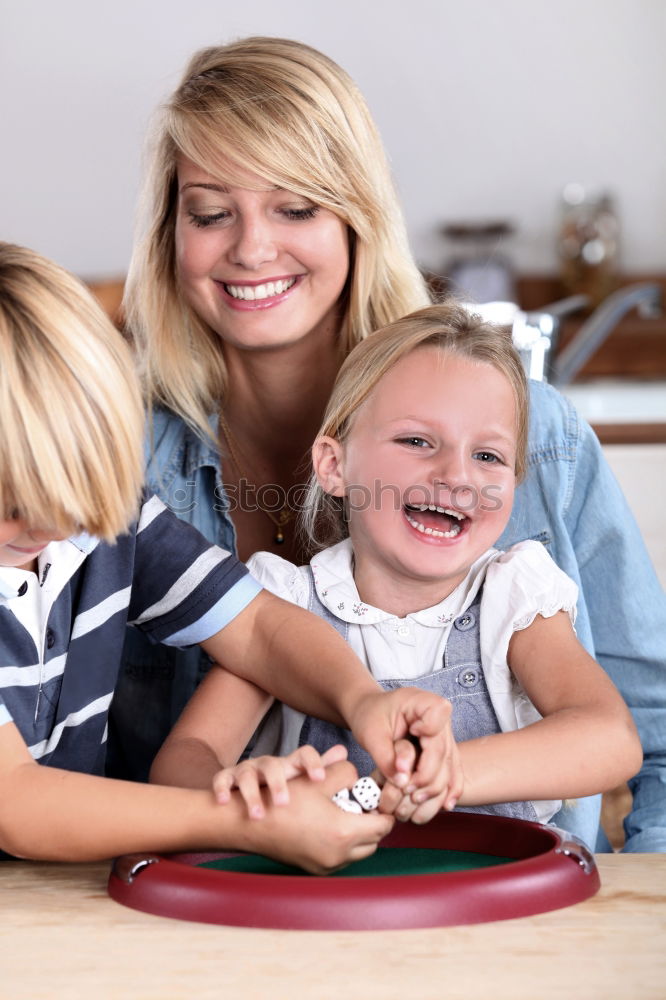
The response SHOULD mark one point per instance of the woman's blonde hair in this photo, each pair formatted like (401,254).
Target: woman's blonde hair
(288,113)
(450,328)
(71,455)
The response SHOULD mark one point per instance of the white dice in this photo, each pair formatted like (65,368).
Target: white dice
(367,793)
(364,796)
(343,801)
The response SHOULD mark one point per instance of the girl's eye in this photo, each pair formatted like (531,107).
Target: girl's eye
(301,214)
(201,221)
(414,441)
(488,456)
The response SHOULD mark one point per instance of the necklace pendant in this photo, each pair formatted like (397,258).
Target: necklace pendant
(279,537)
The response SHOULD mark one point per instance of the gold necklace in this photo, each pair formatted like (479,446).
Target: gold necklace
(284,515)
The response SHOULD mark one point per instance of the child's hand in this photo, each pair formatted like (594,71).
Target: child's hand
(420,804)
(313,832)
(432,779)
(274,773)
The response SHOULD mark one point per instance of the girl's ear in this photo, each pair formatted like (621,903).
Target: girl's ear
(327,464)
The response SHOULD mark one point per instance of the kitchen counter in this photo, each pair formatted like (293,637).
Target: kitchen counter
(622,410)
(63,937)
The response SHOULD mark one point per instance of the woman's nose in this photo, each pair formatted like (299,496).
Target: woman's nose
(254,244)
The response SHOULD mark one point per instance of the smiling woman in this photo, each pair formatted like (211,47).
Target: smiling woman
(244,251)
(272,243)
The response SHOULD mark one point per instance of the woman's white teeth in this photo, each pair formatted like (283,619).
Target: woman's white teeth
(250,293)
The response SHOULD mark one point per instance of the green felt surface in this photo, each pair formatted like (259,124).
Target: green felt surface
(385,861)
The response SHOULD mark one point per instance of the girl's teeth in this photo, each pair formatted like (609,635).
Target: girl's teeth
(455,530)
(250,293)
(440,510)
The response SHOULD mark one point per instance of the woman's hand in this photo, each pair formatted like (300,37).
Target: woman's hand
(273,773)
(417,784)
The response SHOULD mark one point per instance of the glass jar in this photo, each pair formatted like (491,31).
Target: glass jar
(477,268)
(587,243)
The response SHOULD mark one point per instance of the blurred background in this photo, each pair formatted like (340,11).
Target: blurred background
(526,139)
(488,109)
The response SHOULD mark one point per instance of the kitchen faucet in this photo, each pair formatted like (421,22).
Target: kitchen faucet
(536,333)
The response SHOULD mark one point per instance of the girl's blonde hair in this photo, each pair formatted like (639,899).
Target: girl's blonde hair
(448,327)
(71,455)
(286,112)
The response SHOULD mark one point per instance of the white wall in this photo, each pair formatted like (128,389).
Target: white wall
(487,107)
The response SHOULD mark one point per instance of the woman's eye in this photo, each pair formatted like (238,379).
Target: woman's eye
(487,456)
(201,221)
(300,214)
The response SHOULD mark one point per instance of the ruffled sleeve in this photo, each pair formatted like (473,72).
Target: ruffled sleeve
(520,584)
(281,577)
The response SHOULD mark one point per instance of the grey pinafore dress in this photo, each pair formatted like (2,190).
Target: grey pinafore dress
(460,679)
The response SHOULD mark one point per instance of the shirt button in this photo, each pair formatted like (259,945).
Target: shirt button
(468,678)
(23,589)
(50,638)
(465,621)
(403,630)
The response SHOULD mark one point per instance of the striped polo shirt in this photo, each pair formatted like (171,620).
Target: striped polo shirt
(61,636)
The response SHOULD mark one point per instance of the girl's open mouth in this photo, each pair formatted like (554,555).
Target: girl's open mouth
(440,522)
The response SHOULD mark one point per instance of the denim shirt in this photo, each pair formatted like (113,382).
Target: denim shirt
(569,501)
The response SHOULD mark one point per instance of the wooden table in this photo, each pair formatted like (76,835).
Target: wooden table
(62,937)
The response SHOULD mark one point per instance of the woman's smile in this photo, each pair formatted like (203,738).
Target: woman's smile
(250,295)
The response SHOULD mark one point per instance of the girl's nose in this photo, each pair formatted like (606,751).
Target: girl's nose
(255,244)
(453,482)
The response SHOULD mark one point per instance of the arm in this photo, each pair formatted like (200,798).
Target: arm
(212,731)
(305,663)
(586,741)
(50,814)
(572,500)
(627,614)
(217,723)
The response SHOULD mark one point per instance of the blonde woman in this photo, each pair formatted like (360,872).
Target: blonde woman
(415,469)
(271,242)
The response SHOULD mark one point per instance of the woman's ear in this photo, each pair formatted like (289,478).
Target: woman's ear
(327,464)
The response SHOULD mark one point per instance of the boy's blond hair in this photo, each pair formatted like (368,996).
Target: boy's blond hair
(449,327)
(71,415)
(289,114)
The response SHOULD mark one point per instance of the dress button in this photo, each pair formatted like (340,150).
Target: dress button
(23,589)
(465,621)
(50,638)
(403,630)
(468,677)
